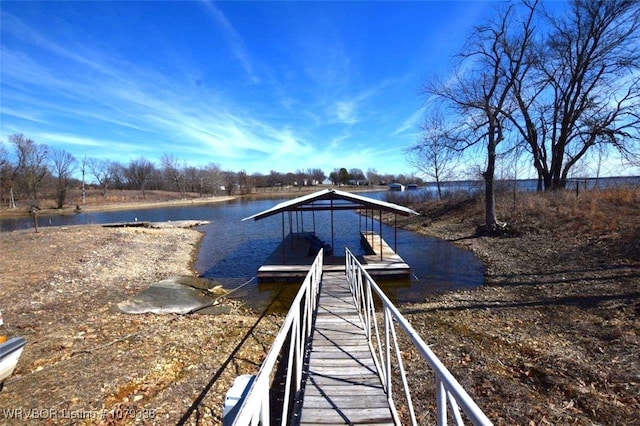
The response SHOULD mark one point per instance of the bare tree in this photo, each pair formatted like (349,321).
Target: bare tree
(299,178)
(435,154)
(245,183)
(101,170)
(317,175)
(138,173)
(32,163)
(11,170)
(117,172)
(357,175)
(213,178)
(192,179)
(583,88)
(480,95)
(229,181)
(373,177)
(63,166)
(175,173)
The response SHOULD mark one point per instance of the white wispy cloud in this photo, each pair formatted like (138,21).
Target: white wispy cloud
(410,123)
(235,41)
(137,99)
(23,115)
(345,112)
(108,106)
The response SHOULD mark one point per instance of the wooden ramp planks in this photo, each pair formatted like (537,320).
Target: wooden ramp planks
(342,385)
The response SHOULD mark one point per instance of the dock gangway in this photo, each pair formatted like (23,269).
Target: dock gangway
(307,359)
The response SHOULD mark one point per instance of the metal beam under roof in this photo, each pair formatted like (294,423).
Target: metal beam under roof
(342,200)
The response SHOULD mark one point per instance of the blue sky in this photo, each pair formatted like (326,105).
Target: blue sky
(250,86)
(254,86)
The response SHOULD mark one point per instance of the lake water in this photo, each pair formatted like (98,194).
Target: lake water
(232,250)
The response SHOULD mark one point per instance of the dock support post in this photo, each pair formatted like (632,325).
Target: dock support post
(291,228)
(332,242)
(380,227)
(284,260)
(395,233)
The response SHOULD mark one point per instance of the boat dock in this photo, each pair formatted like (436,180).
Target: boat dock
(291,260)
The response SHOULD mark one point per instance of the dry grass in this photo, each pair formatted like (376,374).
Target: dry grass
(596,210)
(553,335)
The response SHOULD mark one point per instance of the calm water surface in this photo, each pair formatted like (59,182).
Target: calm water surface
(232,251)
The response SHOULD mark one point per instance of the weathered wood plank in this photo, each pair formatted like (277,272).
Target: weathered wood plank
(370,382)
(346,401)
(335,361)
(346,389)
(348,416)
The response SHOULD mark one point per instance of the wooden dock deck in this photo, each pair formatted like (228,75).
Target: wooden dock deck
(290,260)
(342,384)
(383,260)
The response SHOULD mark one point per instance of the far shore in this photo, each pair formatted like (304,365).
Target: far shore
(113,206)
(127,200)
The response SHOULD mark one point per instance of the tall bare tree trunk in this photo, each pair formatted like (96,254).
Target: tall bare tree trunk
(491,220)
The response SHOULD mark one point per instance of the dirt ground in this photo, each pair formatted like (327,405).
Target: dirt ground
(85,361)
(552,337)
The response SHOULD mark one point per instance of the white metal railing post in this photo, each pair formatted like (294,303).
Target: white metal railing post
(403,376)
(255,408)
(387,347)
(441,403)
(450,395)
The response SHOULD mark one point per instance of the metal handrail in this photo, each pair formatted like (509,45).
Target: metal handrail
(449,393)
(296,330)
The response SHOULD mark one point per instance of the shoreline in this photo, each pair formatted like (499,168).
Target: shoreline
(116,206)
(126,200)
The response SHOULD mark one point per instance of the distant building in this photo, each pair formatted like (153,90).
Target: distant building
(412,186)
(396,187)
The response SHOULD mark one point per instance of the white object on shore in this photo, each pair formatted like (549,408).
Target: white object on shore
(10,352)
(235,396)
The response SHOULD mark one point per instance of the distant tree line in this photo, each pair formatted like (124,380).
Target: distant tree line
(30,171)
(558,88)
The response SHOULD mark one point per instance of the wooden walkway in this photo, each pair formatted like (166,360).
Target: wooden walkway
(342,385)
